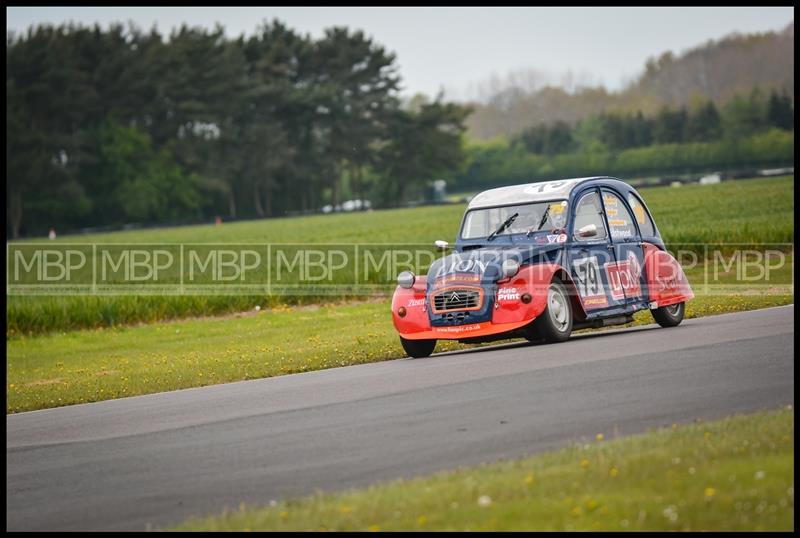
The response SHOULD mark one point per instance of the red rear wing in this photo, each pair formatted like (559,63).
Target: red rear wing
(666,281)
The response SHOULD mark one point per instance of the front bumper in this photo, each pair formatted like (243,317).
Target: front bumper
(469,330)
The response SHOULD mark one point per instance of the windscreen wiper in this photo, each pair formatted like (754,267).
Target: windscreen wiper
(503,226)
(541,223)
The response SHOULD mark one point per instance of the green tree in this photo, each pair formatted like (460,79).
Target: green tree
(132,181)
(744,116)
(670,126)
(616,132)
(358,84)
(704,124)
(780,112)
(421,147)
(589,135)
(106,126)
(642,130)
(548,139)
(46,97)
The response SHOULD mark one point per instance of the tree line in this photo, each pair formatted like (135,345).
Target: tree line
(741,117)
(106,127)
(748,131)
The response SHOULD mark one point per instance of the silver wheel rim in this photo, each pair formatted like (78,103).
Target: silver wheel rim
(673,309)
(557,307)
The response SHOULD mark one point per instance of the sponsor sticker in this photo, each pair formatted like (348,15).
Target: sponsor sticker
(415,302)
(638,209)
(621,234)
(609,199)
(508,294)
(595,302)
(623,278)
(665,284)
(639,212)
(672,284)
(549,186)
(590,287)
(556,238)
(458,277)
(458,328)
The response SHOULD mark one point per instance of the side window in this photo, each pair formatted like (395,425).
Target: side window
(642,217)
(589,211)
(620,221)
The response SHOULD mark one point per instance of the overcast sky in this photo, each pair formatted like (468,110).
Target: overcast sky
(456,49)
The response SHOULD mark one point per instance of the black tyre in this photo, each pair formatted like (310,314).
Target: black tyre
(418,348)
(555,323)
(532,336)
(669,316)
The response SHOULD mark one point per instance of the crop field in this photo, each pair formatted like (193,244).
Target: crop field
(757,211)
(734,474)
(745,211)
(742,211)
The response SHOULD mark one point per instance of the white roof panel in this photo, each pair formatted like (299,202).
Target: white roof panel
(526,193)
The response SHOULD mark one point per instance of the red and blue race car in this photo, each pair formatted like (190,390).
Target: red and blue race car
(539,260)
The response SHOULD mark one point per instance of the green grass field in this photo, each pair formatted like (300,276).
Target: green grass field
(755,211)
(735,474)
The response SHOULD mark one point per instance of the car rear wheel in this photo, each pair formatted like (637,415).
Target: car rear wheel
(555,323)
(418,348)
(669,316)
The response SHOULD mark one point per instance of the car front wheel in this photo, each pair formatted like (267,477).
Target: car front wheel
(555,323)
(418,348)
(669,316)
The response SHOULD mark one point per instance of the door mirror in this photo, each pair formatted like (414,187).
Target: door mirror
(441,245)
(590,230)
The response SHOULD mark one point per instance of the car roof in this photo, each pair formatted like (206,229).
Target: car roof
(529,192)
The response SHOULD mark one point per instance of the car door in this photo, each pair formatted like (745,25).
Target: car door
(625,274)
(589,253)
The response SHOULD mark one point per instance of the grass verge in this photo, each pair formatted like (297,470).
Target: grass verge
(735,474)
(102,364)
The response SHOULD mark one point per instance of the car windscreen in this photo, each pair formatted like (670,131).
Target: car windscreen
(541,216)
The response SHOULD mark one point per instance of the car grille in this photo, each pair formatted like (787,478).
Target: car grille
(456,299)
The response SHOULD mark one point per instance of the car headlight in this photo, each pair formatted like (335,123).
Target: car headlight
(510,268)
(406,279)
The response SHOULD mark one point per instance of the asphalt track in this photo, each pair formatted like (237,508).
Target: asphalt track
(152,461)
